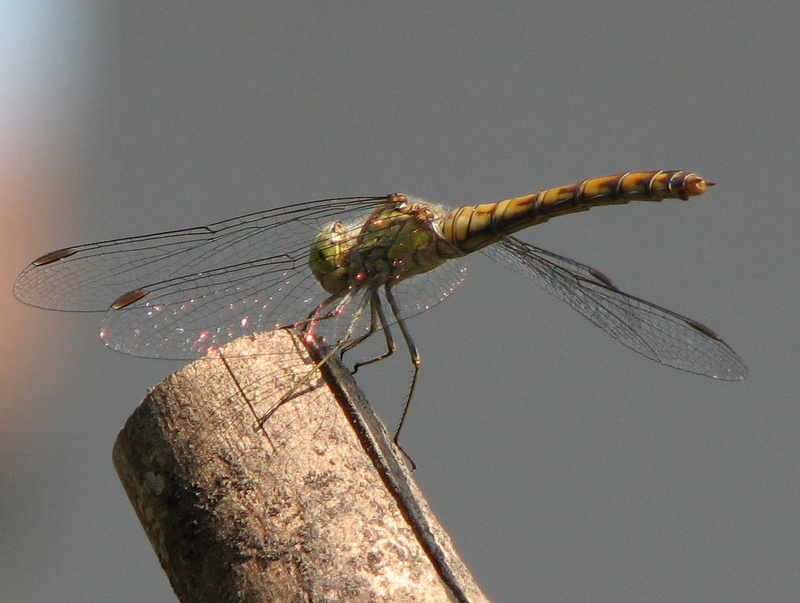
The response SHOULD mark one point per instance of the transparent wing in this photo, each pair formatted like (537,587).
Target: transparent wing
(91,277)
(180,293)
(654,332)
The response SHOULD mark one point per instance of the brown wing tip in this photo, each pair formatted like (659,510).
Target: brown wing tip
(54,256)
(601,277)
(702,328)
(126,299)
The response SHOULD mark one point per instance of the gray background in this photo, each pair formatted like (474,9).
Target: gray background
(565,467)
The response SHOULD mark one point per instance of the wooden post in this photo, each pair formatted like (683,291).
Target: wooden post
(321,508)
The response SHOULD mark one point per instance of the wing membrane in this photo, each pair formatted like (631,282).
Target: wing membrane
(179,294)
(91,277)
(653,331)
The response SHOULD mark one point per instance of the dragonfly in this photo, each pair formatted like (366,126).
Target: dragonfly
(340,270)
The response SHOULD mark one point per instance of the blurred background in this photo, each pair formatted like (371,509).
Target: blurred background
(566,467)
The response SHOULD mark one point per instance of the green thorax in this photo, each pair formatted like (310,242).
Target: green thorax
(396,241)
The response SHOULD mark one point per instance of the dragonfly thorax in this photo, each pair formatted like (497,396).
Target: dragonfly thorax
(396,241)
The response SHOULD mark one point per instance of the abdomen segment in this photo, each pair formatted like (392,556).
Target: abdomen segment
(473,227)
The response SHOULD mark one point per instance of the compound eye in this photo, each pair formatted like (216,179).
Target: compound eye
(337,233)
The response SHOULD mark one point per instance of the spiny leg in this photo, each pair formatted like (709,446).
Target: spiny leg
(373,326)
(415,358)
(306,332)
(376,308)
(312,319)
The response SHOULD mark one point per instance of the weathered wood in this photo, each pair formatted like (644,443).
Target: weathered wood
(318,509)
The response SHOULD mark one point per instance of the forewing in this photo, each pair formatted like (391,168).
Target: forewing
(92,277)
(653,331)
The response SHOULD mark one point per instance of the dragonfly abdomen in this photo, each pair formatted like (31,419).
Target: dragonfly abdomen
(473,227)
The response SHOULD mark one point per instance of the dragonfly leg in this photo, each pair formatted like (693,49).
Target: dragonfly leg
(373,326)
(416,359)
(377,312)
(306,325)
(344,342)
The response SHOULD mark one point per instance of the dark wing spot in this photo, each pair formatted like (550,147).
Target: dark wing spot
(54,256)
(702,328)
(126,299)
(601,277)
